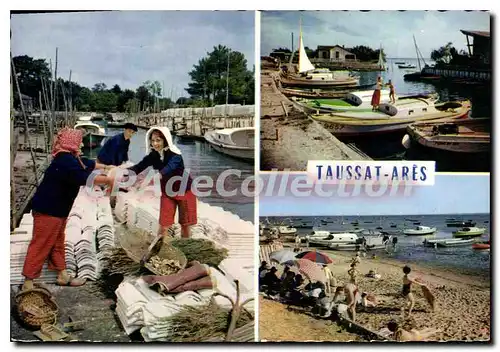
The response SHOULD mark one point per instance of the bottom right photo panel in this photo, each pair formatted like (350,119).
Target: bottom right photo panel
(353,264)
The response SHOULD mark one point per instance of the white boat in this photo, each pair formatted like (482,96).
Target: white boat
(286,230)
(93,134)
(393,117)
(447,242)
(335,238)
(236,142)
(310,76)
(470,232)
(420,231)
(372,243)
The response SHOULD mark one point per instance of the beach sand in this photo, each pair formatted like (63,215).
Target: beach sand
(462,299)
(276,323)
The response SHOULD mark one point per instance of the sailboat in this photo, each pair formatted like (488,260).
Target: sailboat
(416,76)
(381,62)
(310,76)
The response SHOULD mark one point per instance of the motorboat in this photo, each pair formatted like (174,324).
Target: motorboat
(235,142)
(334,238)
(470,232)
(93,134)
(393,117)
(447,242)
(372,243)
(420,231)
(483,246)
(460,223)
(354,101)
(286,230)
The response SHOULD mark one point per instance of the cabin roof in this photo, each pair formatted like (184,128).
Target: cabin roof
(484,34)
(228,131)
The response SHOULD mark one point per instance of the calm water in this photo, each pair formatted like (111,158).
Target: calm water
(410,248)
(202,161)
(389,147)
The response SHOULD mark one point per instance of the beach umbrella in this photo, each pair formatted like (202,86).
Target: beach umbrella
(309,269)
(315,256)
(282,256)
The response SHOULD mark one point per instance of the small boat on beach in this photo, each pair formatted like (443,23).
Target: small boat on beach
(482,246)
(447,242)
(236,142)
(393,117)
(470,232)
(420,231)
(372,243)
(93,134)
(461,136)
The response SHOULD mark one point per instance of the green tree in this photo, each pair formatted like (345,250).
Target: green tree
(116,89)
(364,53)
(99,87)
(444,54)
(209,78)
(29,73)
(142,94)
(124,97)
(105,101)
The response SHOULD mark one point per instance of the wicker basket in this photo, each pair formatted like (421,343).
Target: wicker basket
(135,243)
(36,307)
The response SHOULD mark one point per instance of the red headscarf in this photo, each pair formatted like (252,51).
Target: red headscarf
(67,140)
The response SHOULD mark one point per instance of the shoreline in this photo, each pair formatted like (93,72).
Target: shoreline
(462,299)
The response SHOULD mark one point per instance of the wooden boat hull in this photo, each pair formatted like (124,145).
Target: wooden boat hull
(346,126)
(481,246)
(303,82)
(468,234)
(465,141)
(314,95)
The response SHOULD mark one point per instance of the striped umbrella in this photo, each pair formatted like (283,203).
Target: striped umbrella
(282,256)
(309,269)
(315,256)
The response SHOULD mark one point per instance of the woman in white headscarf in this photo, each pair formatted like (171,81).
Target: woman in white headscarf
(164,156)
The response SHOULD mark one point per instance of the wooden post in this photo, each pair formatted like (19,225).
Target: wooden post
(65,106)
(25,118)
(43,123)
(50,127)
(13,149)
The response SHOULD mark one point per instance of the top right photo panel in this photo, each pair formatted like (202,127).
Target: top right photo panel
(376,85)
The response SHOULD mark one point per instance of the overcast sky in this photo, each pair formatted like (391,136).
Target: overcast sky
(128,48)
(451,194)
(391,29)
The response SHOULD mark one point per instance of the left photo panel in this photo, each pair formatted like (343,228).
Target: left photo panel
(132,176)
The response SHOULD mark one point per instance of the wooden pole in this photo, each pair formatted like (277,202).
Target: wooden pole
(65,106)
(43,123)
(50,127)
(13,149)
(73,121)
(25,118)
(55,97)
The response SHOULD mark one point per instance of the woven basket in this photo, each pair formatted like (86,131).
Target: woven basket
(135,243)
(36,307)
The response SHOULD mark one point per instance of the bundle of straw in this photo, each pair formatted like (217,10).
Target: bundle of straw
(201,250)
(201,323)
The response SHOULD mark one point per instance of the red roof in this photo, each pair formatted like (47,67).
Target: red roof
(476,33)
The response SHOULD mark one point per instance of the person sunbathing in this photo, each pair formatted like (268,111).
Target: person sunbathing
(402,335)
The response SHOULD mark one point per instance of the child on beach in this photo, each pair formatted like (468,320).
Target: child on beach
(406,292)
(353,273)
(392,92)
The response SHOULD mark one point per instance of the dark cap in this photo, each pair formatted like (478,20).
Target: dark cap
(130,126)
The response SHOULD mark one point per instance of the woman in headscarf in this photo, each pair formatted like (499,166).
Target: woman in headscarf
(165,157)
(52,204)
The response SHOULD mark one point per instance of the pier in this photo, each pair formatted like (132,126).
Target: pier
(289,138)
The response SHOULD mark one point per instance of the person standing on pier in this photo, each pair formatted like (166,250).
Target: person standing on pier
(167,159)
(392,92)
(376,94)
(115,150)
(52,204)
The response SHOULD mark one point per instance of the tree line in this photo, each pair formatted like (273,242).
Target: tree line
(208,86)
(362,52)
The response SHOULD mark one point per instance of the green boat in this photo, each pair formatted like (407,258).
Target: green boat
(93,134)
(470,232)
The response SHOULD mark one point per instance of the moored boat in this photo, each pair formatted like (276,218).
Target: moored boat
(93,134)
(354,101)
(420,231)
(481,246)
(447,242)
(470,232)
(286,230)
(236,142)
(461,136)
(392,117)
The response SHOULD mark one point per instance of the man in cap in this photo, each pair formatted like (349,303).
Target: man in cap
(115,150)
